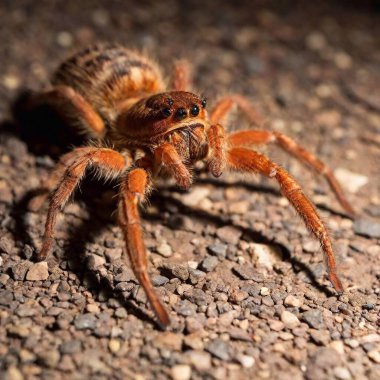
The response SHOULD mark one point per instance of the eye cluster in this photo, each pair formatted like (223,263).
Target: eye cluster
(182,113)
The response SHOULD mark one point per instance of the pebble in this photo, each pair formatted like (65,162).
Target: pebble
(219,250)
(209,263)
(19,270)
(114,345)
(181,372)
(266,255)
(219,349)
(177,270)
(314,318)
(246,361)
(248,272)
(164,249)
(229,234)
(292,301)
(50,358)
(350,180)
(70,347)
(264,291)
(342,373)
(289,319)
(158,280)
(85,321)
(321,337)
(38,272)
(367,227)
(199,359)
(374,355)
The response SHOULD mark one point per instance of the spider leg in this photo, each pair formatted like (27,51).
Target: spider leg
(250,138)
(216,137)
(108,160)
(245,160)
(72,106)
(182,76)
(133,190)
(224,106)
(53,179)
(166,157)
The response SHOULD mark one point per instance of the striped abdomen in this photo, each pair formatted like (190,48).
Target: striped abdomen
(107,75)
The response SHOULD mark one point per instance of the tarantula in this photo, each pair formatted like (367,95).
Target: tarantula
(119,96)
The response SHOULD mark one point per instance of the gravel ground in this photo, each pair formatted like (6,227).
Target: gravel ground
(243,280)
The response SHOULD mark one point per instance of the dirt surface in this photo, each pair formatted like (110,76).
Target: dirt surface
(243,280)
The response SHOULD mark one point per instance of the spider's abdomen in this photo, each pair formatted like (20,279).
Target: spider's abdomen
(106,75)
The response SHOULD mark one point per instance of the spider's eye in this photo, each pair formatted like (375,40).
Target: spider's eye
(166,112)
(181,113)
(194,110)
(204,103)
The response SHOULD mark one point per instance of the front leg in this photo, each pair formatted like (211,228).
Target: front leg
(166,157)
(108,160)
(133,190)
(245,160)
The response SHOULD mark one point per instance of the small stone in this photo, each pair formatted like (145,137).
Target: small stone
(85,321)
(93,308)
(181,372)
(70,347)
(367,227)
(316,41)
(229,234)
(276,325)
(196,196)
(314,318)
(177,270)
(158,280)
(13,373)
(246,361)
(219,349)
(350,180)
(289,319)
(374,355)
(6,245)
(19,270)
(266,255)
(209,263)
(248,272)
(18,330)
(338,346)
(200,360)
(342,373)
(114,345)
(95,261)
(164,249)
(321,337)
(195,323)
(219,250)
(237,296)
(292,301)
(64,39)
(264,291)
(50,358)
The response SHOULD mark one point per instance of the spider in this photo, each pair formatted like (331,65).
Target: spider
(120,98)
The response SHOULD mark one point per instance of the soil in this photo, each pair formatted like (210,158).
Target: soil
(242,278)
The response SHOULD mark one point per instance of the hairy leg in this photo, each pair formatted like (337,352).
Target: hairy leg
(54,177)
(224,106)
(250,138)
(182,76)
(216,136)
(133,190)
(107,160)
(72,106)
(166,157)
(245,160)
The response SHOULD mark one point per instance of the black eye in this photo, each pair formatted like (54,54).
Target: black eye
(181,113)
(194,110)
(204,103)
(166,112)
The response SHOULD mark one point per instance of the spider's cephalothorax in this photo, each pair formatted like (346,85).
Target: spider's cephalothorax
(119,96)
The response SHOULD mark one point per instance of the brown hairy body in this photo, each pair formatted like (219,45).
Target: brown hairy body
(119,97)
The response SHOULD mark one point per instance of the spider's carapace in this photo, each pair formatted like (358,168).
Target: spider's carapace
(120,98)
